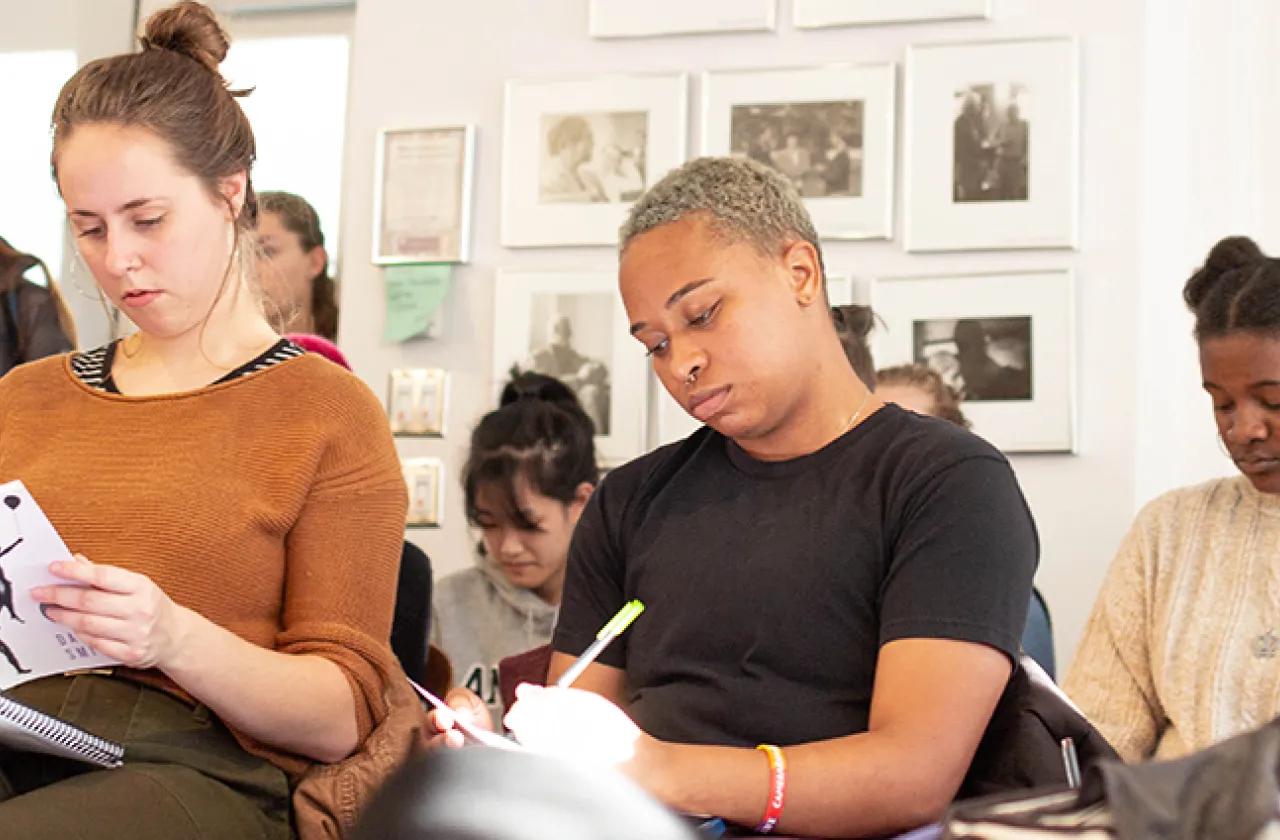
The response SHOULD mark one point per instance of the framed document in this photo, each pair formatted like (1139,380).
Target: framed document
(422,195)
(417,401)
(424,477)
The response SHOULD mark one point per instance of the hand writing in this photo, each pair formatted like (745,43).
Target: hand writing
(447,733)
(120,614)
(470,708)
(574,724)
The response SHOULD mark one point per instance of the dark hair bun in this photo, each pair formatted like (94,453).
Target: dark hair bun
(854,319)
(1231,254)
(528,385)
(190,29)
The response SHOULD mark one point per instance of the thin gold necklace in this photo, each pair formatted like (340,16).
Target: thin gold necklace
(856,414)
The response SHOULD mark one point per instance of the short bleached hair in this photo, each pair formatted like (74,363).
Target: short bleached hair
(743,201)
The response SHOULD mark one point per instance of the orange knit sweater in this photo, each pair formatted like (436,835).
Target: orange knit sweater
(273,504)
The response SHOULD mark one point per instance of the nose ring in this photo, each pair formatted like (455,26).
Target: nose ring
(692,379)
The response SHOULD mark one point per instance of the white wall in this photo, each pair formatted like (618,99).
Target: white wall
(445,63)
(1211,170)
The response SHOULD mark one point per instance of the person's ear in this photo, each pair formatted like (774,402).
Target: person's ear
(804,270)
(580,498)
(317,259)
(234,188)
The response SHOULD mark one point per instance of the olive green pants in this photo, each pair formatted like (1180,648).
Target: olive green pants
(184,776)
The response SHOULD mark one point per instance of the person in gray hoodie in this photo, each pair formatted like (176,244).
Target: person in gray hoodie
(529,473)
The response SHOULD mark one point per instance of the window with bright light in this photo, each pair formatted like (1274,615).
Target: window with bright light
(32,217)
(298,111)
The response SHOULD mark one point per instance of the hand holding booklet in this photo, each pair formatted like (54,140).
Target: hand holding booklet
(33,646)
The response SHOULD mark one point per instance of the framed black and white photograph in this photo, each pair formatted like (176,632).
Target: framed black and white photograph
(417,402)
(629,19)
(1004,342)
(814,14)
(571,325)
(829,130)
(993,146)
(425,479)
(422,195)
(592,158)
(577,154)
(981,359)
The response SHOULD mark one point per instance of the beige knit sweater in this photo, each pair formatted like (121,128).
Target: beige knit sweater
(1183,647)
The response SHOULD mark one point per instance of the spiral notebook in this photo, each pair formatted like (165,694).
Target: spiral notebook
(32,645)
(27,730)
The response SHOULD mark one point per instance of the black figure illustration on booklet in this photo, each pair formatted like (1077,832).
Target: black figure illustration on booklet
(32,645)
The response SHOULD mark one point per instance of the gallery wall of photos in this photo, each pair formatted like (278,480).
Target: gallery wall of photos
(986,136)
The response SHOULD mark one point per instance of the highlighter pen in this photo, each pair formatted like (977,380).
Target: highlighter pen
(607,634)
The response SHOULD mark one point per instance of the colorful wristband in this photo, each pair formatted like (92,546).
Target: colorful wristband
(777,788)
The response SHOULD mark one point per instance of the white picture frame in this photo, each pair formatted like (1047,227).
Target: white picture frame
(423,184)
(674,423)
(818,14)
(836,114)
(963,192)
(425,479)
(629,19)
(531,309)
(1019,315)
(576,154)
(417,402)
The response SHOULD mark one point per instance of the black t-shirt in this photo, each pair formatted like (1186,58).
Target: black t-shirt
(769,587)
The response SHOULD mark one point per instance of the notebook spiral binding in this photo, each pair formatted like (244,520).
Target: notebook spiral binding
(92,748)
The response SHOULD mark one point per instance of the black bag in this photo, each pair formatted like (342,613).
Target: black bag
(1226,792)
(1022,747)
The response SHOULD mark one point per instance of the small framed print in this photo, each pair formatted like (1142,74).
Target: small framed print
(571,325)
(812,14)
(425,479)
(1004,342)
(828,130)
(577,154)
(417,401)
(993,145)
(629,19)
(422,195)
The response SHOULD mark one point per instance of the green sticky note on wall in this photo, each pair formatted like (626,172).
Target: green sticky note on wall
(413,294)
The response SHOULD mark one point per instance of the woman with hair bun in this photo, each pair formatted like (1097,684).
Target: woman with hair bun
(235,505)
(1183,647)
(529,473)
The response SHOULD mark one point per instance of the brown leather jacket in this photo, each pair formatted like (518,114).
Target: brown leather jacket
(329,798)
(33,323)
